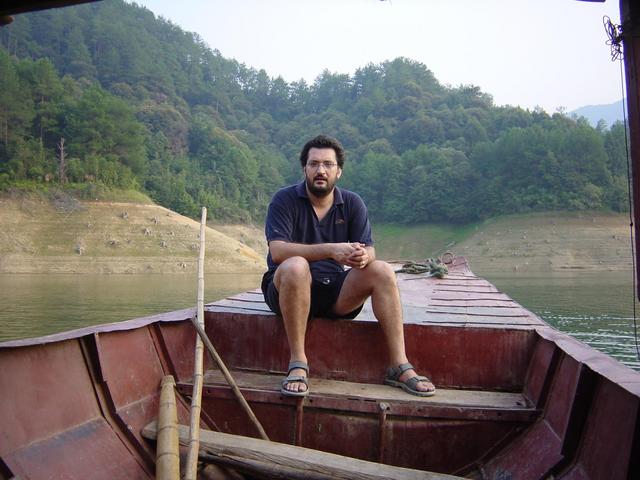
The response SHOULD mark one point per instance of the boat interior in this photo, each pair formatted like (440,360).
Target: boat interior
(516,398)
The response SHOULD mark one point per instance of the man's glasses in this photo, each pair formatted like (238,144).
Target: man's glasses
(327,165)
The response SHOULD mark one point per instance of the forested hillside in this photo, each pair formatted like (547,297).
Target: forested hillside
(142,104)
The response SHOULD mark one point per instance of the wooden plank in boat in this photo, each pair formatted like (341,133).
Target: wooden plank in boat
(297,462)
(479,320)
(421,315)
(480,290)
(492,311)
(375,392)
(499,299)
(459,275)
(421,282)
(454,291)
(227,302)
(483,324)
(441,318)
(466,295)
(461,283)
(453,279)
(464,303)
(428,301)
(241,310)
(437,283)
(247,297)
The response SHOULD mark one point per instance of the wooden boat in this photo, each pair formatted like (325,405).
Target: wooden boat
(517,399)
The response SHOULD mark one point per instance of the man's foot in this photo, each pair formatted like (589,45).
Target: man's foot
(404,376)
(296,384)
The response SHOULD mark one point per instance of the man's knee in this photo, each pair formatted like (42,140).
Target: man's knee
(294,270)
(382,271)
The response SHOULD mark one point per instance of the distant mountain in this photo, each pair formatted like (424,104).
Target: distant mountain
(610,113)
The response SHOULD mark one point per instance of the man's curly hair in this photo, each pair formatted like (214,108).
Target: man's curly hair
(323,141)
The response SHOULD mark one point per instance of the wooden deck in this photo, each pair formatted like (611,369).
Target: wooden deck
(460,299)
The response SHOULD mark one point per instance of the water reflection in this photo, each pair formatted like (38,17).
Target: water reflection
(35,305)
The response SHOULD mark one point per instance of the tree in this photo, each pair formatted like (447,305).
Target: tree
(144,104)
(62,166)
(16,103)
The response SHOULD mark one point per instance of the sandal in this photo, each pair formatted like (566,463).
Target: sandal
(409,385)
(295,378)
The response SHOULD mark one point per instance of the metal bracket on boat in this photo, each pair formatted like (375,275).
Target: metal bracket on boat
(382,444)
(297,439)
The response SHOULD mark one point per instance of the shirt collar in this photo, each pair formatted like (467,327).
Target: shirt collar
(301,190)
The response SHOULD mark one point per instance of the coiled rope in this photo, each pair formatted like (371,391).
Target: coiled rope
(430,267)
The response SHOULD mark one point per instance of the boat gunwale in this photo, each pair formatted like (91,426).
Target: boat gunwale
(599,362)
(124,325)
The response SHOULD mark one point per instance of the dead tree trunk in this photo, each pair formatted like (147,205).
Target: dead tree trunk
(62,167)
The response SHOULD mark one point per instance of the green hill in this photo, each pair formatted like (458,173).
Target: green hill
(142,104)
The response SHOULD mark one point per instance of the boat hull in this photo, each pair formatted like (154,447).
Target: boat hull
(516,398)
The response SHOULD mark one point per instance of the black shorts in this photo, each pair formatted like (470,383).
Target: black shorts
(325,289)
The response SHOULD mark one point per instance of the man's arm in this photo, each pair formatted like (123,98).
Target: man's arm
(351,254)
(360,230)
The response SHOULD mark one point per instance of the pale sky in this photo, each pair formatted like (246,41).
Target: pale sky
(550,53)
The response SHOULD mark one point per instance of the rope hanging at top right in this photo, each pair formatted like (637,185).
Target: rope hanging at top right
(614,41)
(614,35)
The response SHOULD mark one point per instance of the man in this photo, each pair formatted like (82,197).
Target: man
(314,230)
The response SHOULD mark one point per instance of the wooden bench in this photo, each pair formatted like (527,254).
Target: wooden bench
(264,387)
(367,421)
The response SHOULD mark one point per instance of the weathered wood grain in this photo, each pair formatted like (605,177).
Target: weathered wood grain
(306,462)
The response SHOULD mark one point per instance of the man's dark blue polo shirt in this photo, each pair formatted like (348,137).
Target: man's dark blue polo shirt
(291,218)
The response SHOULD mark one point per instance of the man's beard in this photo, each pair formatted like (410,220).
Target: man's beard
(320,191)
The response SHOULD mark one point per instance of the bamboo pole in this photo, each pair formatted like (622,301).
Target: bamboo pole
(230,380)
(191,470)
(168,447)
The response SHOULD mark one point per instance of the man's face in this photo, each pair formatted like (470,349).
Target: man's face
(321,171)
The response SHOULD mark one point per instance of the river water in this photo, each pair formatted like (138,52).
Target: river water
(40,304)
(596,308)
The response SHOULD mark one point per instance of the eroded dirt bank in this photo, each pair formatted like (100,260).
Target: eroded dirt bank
(68,236)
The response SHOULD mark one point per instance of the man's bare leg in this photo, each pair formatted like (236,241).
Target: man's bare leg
(293,282)
(378,280)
